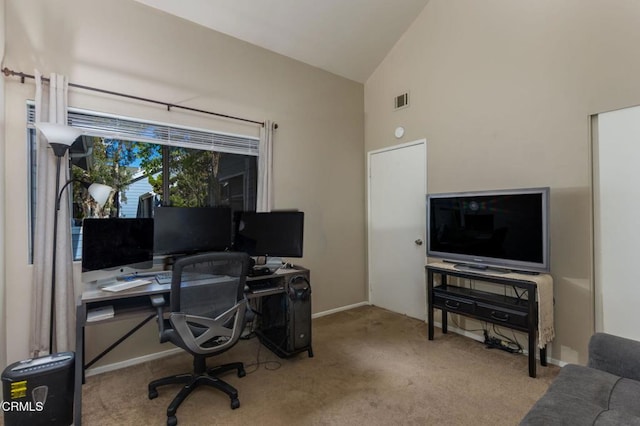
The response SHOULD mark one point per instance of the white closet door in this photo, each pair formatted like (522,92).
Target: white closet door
(617,222)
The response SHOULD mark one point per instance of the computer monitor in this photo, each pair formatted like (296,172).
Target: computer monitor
(188,230)
(116,246)
(278,233)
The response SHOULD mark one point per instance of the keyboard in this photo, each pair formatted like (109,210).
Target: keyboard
(164,278)
(124,285)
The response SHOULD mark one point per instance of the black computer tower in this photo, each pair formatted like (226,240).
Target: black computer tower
(39,391)
(285,324)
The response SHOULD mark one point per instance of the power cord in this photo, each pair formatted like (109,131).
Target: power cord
(506,344)
(268,364)
(258,363)
(511,341)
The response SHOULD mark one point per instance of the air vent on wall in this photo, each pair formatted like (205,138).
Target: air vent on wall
(401,101)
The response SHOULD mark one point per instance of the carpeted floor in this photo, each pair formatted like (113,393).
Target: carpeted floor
(371,367)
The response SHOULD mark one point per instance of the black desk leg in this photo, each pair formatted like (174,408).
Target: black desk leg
(532,354)
(533,328)
(445,314)
(543,356)
(429,304)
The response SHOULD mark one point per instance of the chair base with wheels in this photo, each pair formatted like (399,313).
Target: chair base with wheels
(201,376)
(206,318)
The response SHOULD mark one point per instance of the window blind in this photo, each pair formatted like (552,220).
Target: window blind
(115,127)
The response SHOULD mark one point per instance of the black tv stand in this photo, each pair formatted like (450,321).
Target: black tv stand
(518,313)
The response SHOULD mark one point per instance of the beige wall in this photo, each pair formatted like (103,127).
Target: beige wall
(502,90)
(124,46)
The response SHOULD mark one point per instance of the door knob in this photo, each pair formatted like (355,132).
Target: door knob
(418,242)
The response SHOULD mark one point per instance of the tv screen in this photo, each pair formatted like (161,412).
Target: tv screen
(505,229)
(277,234)
(115,242)
(187,230)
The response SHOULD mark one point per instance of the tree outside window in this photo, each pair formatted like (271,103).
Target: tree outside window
(195,178)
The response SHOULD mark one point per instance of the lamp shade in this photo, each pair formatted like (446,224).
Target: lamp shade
(58,133)
(100,193)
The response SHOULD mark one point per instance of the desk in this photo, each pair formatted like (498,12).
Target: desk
(293,324)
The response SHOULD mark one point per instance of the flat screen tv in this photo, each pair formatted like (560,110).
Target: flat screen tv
(503,229)
(115,246)
(188,230)
(278,233)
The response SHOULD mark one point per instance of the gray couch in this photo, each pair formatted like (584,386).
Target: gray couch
(605,392)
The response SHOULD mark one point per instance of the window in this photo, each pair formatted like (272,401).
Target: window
(151,164)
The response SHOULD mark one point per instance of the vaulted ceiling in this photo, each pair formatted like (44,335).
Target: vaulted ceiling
(346,37)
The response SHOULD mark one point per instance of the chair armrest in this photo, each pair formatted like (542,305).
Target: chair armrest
(615,355)
(158,302)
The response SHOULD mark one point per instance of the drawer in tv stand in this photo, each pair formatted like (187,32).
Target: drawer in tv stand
(508,311)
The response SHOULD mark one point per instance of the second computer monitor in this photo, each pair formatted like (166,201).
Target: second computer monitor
(116,242)
(278,234)
(186,230)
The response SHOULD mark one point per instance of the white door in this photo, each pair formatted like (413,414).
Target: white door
(397,221)
(617,222)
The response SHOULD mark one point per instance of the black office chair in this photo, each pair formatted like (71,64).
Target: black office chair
(207,317)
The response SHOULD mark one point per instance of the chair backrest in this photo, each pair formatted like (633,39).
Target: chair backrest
(207,300)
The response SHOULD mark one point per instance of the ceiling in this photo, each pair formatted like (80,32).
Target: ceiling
(346,37)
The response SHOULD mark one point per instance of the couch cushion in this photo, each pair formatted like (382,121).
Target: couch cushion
(617,418)
(579,396)
(588,384)
(556,408)
(626,397)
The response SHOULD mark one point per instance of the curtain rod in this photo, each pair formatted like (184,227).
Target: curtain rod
(8,72)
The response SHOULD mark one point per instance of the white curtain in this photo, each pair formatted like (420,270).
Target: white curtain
(3,330)
(52,107)
(265,169)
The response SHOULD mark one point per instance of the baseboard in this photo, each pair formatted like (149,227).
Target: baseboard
(341,309)
(157,355)
(480,339)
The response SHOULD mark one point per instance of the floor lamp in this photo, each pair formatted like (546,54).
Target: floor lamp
(61,137)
